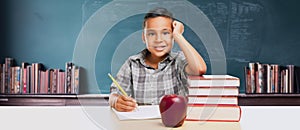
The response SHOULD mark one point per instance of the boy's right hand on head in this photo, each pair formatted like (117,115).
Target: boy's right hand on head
(125,104)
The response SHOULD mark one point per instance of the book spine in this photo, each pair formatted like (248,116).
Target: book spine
(28,80)
(12,80)
(32,77)
(60,89)
(37,78)
(247,79)
(1,78)
(284,81)
(252,68)
(41,83)
(24,80)
(54,81)
(73,80)
(76,79)
(51,74)
(17,80)
(68,79)
(280,78)
(61,83)
(259,78)
(268,75)
(297,79)
(47,81)
(291,78)
(8,64)
(23,76)
(275,78)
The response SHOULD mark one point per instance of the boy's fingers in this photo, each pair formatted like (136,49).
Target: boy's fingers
(129,102)
(174,24)
(125,108)
(126,98)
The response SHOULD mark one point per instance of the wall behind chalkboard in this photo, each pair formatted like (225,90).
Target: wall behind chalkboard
(250,30)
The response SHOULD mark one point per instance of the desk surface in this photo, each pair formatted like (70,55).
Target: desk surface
(97,118)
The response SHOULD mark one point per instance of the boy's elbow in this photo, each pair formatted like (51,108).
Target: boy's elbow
(198,71)
(201,71)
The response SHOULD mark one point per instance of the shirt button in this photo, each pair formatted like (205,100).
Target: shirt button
(153,76)
(152,103)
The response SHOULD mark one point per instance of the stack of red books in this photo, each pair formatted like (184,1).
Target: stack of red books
(213,98)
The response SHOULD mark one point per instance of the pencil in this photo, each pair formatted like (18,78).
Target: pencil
(117,84)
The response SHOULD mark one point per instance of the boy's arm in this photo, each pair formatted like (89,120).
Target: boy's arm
(196,64)
(117,101)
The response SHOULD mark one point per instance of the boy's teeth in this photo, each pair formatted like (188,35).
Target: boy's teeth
(160,48)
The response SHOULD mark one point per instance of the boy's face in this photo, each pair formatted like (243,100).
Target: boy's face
(158,36)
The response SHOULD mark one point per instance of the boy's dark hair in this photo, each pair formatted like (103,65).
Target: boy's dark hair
(158,12)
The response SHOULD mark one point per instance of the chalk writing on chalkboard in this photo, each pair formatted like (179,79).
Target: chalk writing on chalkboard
(239,25)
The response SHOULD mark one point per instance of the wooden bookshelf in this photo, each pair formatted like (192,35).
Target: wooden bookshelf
(269,99)
(54,100)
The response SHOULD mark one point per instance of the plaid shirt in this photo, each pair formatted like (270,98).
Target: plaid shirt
(148,85)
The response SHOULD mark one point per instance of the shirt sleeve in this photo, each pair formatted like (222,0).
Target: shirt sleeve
(182,75)
(124,79)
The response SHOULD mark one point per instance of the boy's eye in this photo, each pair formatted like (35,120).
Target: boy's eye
(166,33)
(151,34)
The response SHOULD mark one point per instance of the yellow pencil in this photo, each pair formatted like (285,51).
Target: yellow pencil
(117,84)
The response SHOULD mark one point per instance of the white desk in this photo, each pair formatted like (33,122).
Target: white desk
(97,118)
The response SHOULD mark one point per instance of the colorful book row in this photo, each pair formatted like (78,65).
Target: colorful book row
(35,79)
(271,78)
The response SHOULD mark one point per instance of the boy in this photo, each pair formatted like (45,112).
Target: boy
(156,71)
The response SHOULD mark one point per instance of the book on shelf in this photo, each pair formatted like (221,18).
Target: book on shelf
(15,80)
(23,77)
(1,71)
(222,113)
(27,78)
(68,82)
(213,81)
(9,62)
(34,78)
(61,82)
(297,79)
(75,79)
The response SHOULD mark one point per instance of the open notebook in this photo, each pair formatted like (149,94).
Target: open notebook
(142,112)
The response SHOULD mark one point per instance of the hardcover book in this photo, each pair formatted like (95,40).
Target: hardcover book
(213,81)
(214,113)
(224,100)
(213,91)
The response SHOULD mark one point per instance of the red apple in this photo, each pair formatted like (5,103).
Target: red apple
(173,110)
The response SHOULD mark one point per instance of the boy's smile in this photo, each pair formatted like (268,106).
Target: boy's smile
(158,37)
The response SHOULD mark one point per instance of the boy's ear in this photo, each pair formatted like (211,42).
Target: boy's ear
(143,37)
